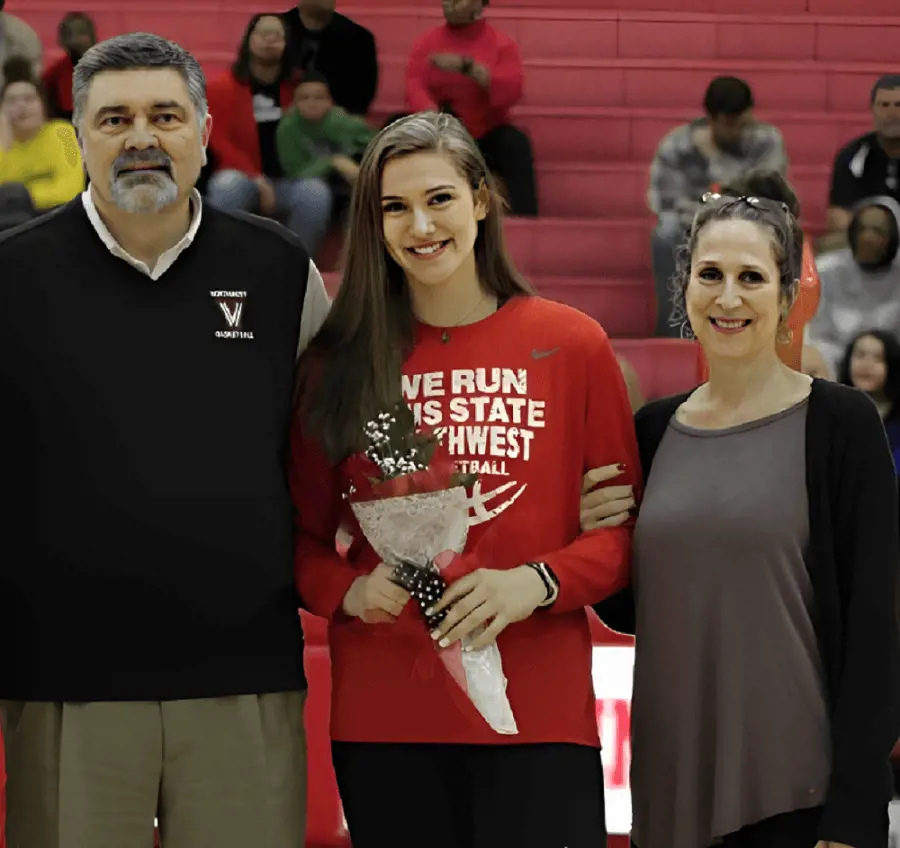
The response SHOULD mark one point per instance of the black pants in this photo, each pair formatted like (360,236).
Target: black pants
(796,829)
(469,796)
(16,205)
(507,152)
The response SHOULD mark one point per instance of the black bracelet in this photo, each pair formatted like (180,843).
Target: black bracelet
(467,65)
(547,578)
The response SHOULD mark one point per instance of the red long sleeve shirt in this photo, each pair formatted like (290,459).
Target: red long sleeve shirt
(531,398)
(480,109)
(57,80)
(235,140)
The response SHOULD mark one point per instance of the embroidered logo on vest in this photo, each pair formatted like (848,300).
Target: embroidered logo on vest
(232,305)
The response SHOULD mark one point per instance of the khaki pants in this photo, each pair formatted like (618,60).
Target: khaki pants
(218,773)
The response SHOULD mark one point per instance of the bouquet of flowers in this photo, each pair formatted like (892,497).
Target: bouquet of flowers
(410,502)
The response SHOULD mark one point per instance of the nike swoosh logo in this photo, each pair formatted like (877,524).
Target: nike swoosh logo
(543,354)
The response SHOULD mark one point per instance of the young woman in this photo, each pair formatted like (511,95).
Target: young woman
(871,364)
(531,394)
(41,154)
(766,694)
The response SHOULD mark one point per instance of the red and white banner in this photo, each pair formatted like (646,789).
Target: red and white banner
(612,670)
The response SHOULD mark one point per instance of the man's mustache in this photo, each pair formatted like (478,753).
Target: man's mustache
(140,160)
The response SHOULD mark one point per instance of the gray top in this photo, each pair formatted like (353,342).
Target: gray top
(729,720)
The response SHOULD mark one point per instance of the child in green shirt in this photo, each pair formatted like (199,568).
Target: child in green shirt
(318,139)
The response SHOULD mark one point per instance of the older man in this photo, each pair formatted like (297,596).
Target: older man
(153,651)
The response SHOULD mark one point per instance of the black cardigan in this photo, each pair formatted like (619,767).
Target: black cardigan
(853,558)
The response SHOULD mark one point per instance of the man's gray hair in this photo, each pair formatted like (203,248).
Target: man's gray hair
(138,51)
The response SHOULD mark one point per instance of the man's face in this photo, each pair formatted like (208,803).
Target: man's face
(77,37)
(142,143)
(462,12)
(727,130)
(886,113)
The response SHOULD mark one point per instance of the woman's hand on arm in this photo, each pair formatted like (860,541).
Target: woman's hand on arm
(605,506)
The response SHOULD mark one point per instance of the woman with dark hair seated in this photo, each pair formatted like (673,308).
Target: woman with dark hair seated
(247,102)
(871,364)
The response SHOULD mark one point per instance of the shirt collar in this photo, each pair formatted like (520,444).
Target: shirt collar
(167,259)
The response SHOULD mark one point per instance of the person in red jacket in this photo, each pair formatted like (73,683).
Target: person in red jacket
(529,395)
(474,71)
(247,102)
(77,34)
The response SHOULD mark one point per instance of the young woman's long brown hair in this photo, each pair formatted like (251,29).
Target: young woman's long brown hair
(352,370)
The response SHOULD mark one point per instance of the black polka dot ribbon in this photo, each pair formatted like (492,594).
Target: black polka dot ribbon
(424,584)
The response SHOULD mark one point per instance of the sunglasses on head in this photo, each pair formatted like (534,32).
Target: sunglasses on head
(712,196)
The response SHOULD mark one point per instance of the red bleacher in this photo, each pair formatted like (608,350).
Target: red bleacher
(605,80)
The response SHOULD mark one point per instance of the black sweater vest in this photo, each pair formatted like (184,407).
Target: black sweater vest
(146,512)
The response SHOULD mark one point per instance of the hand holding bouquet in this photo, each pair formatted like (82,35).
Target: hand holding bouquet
(411,504)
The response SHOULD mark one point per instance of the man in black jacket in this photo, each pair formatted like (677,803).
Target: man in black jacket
(337,48)
(148,611)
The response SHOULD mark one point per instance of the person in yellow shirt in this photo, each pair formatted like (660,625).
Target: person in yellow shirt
(42,155)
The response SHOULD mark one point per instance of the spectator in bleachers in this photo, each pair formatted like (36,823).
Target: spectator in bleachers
(317,139)
(41,154)
(473,70)
(697,157)
(344,52)
(860,283)
(18,39)
(247,102)
(76,35)
(871,363)
(869,166)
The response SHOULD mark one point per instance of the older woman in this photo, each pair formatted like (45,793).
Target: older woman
(767,662)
